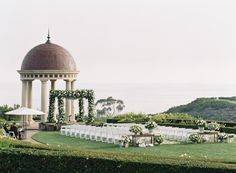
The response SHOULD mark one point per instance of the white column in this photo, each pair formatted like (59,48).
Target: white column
(68,101)
(72,102)
(44,99)
(24,97)
(24,94)
(29,100)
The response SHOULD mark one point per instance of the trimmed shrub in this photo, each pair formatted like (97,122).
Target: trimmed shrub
(187,126)
(228,129)
(28,160)
(39,158)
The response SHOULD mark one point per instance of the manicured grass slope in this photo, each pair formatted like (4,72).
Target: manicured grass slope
(218,151)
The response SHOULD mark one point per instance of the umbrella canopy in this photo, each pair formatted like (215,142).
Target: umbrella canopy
(24,111)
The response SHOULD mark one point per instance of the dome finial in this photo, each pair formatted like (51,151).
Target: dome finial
(48,41)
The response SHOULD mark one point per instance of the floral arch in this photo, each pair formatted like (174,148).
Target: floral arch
(67,94)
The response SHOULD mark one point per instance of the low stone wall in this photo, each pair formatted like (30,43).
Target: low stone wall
(48,126)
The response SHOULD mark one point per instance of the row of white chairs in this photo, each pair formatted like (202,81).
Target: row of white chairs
(112,133)
(170,133)
(104,134)
(176,134)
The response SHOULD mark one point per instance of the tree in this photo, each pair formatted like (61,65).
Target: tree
(6,108)
(109,106)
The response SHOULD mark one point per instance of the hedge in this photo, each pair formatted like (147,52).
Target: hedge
(228,129)
(183,125)
(187,126)
(168,120)
(48,159)
(17,161)
(193,126)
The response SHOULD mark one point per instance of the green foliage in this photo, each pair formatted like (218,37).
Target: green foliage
(1,132)
(41,161)
(158,118)
(213,126)
(20,157)
(90,97)
(222,137)
(222,108)
(135,129)
(188,126)
(79,117)
(51,111)
(81,107)
(158,139)
(150,124)
(201,123)
(61,117)
(129,117)
(125,139)
(6,108)
(77,94)
(195,138)
(37,117)
(171,117)
(97,123)
(228,129)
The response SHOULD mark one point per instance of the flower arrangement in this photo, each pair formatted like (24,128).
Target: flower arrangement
(213,126)
(195,138)
(141,142)
(77,94)
(201,123)
(158,139)
(151,124)
(135,129)
(222,137)
(124,141)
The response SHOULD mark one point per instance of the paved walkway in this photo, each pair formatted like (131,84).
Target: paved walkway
(30,133)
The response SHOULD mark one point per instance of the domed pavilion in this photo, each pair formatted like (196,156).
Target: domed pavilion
(47,62)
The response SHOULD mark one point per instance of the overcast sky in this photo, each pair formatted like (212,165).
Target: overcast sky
(125,41)
(136,41)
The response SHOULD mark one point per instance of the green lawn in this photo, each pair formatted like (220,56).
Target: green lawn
(218,151)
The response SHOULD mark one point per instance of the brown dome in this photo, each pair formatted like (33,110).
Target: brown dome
(48,56)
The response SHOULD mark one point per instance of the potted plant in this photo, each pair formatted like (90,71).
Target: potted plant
(201,124)
(222,137)
(135,129)
(141,142)
(158,139)
(195,138)
(124,141)
(213,126)
(150,125)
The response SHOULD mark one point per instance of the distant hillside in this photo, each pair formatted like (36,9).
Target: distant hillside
(220,108)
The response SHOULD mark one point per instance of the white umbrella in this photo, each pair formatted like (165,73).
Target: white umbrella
(23,111)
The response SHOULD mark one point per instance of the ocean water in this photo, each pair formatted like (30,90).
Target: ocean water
(146,98)
(156,98)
